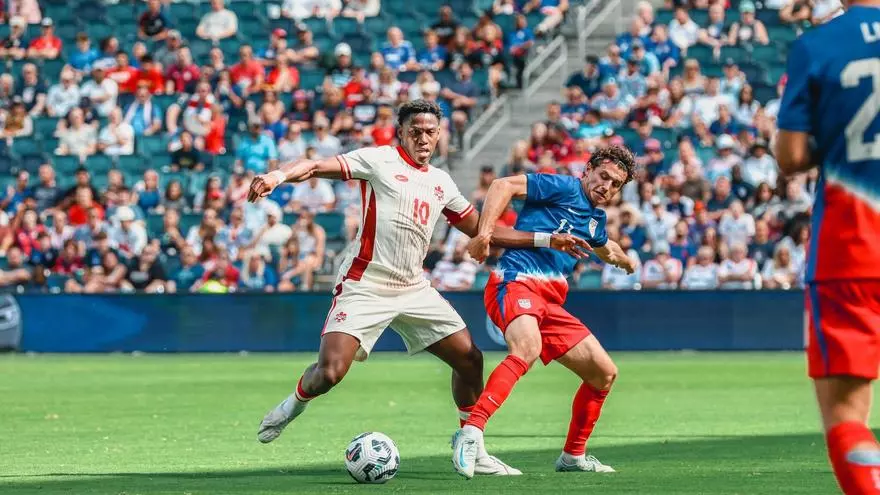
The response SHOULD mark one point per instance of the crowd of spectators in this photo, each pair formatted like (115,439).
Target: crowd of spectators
(707,209)
(126,150)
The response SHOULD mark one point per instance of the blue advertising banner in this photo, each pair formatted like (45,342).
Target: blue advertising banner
(644,320)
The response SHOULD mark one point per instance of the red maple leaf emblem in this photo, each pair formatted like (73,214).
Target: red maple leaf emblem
(438,192)
(340,317)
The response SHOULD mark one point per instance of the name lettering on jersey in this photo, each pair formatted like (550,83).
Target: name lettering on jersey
(592,226)
(438,193)
(871,32)
(401,178)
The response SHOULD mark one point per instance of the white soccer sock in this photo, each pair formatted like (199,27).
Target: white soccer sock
(293,406)
(572,459)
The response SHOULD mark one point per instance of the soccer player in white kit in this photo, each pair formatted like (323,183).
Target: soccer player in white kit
(381,282)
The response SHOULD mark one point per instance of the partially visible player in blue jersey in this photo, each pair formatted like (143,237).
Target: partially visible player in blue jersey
(829,118)
(524,297)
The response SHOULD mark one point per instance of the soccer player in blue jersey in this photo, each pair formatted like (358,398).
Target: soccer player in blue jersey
(524,297)
(829,117)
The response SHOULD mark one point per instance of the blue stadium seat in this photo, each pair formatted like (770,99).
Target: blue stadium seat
(160,161)
(737,53)
(769,54)
(333,223)
(764,92)
(345,25)
(131,163)
(155,225)
(91,12)
(700,16)
(181,10)
(25,146)
(376,25)
(99,164)
(590,280)
(289,218)
(151,145)
(188,220)
(32,162)
(702,53)
(311,79)
(65,165)
(664,16)
(6,164)
(55,282)
(775,72)
(754,72)
(769,17)
(781,34)
(318,27)
(480,280)
(49,144)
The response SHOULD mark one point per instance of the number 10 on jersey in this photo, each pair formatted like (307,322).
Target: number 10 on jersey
(421,211)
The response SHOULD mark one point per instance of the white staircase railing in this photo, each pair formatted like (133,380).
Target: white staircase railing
(588,22)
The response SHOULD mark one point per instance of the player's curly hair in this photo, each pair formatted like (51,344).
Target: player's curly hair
(620,155)
(415,107)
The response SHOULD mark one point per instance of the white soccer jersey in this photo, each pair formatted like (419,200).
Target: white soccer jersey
(742,267)
(653,272)
(402,202)
(700,277)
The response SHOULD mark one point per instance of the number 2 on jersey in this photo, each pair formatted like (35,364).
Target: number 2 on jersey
(857,149)
(421,211)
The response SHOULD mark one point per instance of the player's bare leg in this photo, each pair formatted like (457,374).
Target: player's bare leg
(588,360)
(466,360)
(845,405)
(335,356)
(524,346)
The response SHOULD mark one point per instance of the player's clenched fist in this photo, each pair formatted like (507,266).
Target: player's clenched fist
(263,185)
(478,247)
(570,244)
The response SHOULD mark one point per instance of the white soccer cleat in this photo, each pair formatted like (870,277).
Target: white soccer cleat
(588,463)
(277,419)
(465,443)
(492,466)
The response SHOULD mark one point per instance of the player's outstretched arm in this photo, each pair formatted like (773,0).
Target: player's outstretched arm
(296,171)
(793,152)
(612,254)
(497,198)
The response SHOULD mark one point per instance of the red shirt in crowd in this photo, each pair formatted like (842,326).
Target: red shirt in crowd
(216,138)
(27,241)
(230,276)
(383,136)
(183,76)
(126,78)
(246,72)
(68,266)
(276,73)
(77,215)
(153,79)
(44,42)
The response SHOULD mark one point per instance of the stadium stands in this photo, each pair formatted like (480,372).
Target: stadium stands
(696,101)
(100,147)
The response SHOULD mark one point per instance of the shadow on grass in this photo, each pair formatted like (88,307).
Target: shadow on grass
(739,465)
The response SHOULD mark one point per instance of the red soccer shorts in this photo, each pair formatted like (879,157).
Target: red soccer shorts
(506,301)
(843,326)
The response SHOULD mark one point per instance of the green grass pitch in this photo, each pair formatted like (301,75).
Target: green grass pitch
(675,423)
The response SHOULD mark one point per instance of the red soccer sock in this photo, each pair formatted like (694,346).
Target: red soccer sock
(302,395)
(585,410)
(498,387)
(464,413)
(857,469)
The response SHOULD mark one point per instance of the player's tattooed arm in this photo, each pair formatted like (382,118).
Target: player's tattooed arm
(296,171)
(612,254)
(793,152)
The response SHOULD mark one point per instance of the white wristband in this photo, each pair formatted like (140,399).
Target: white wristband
(280,176)
(542,239)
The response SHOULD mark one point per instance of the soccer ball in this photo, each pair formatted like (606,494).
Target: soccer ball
(372,458)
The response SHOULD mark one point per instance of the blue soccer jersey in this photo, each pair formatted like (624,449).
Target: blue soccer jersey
(833,94)
(554,204)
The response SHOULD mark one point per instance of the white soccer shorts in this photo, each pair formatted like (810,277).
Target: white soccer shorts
(421,316)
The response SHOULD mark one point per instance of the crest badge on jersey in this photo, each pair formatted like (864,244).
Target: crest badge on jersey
(594,224)
(438,192)
(525,303)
